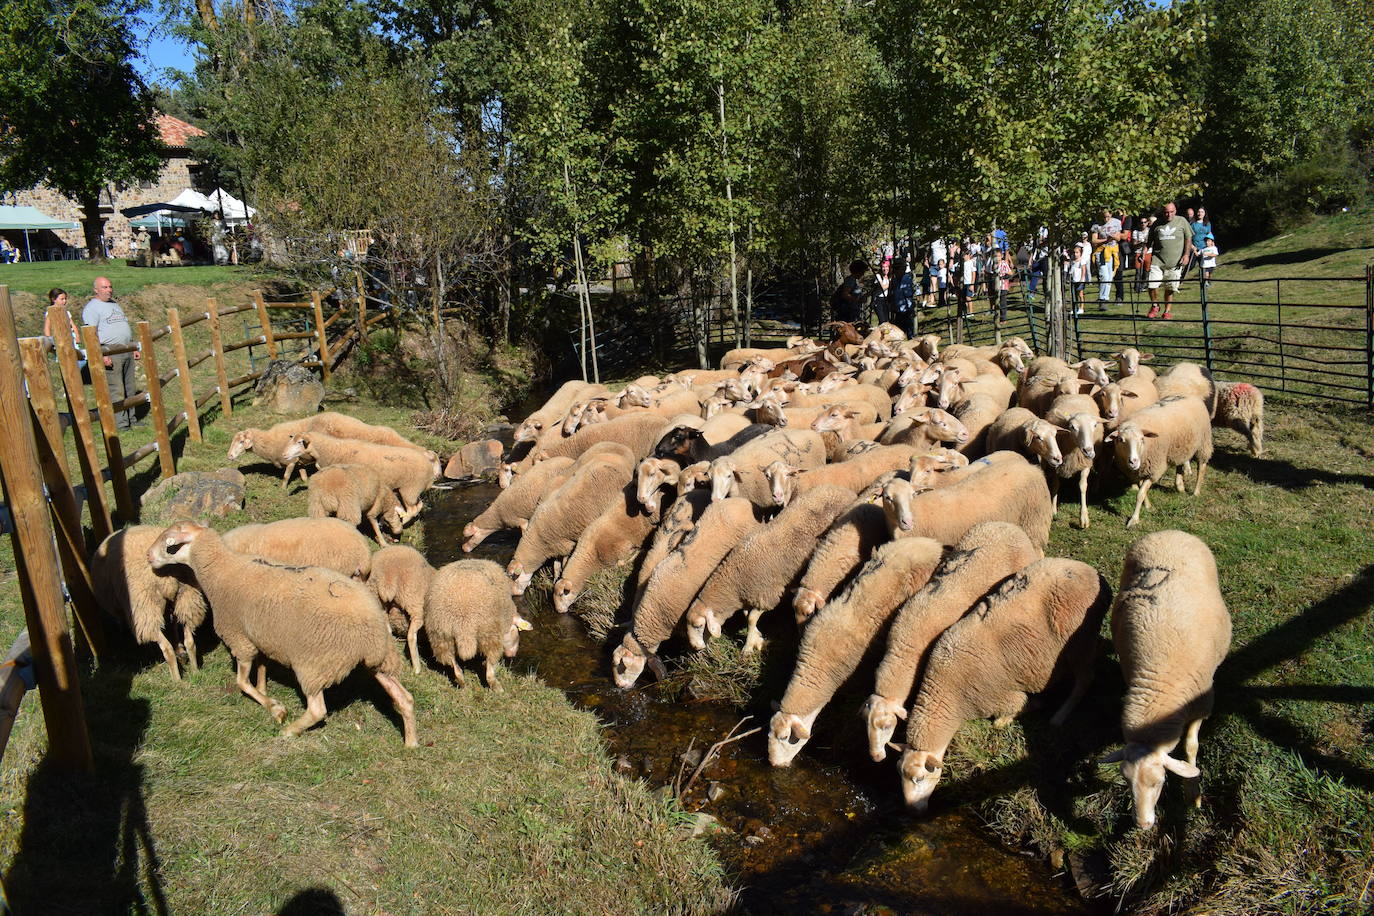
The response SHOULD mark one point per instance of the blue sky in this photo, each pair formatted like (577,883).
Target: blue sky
(160,51)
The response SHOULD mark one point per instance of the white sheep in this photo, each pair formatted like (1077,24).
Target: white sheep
(1171,630)
(741,472)
(469,612)
(986,555)
(846,545)
(1039,626)
(271,443)
(639,432)
(564,514)
(328,542)
(315,621)
(924,429)
(1078,416)
(514,505)
(352,492)
(760,569)
(1003,487)
(407,471)
(977,412)
(1128,361)
(786,482)
(400,578)
(612,539)
(675,582)
(1188,379)
(675,522)
(1017,429)
(1169,433)
(555,409)
(837,638)
(1240,406)
(1120,400)
(129,587)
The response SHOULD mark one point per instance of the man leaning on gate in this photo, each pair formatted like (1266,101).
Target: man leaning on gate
(112,330)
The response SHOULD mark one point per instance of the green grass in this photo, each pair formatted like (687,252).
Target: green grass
(76,277)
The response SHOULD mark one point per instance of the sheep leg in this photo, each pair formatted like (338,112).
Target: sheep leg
(262,678)
(753,639)
(404,703)
(457,674)
(413,642)
(188,640)
(170,655)
(1201,470)
(1083,498)
(1190,750)
(314,714)
(245,668)
(1179,484)
(377,531)
(1141,497)
(490,676)
(286,478)
(1054,493)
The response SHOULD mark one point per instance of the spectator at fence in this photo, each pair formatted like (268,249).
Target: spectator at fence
(900,296)
(1079,268)
(968,277)
(881,286)
(942,282)
(58,297)
(1140,245)
(1208,254)
(929,283)
(1004,275)
(1201,227)
(1126,245)
(112,330)
(847,302)
(1171,243)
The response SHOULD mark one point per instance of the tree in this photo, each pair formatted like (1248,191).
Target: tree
(74,113)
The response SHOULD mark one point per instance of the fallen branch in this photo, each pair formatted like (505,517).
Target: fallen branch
(714,751)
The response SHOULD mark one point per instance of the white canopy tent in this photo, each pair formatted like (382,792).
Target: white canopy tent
(234,210)
(27,218)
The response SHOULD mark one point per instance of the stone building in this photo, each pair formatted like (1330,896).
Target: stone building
(179,172)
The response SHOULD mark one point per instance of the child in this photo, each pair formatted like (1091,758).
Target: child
(1209,260)
(1004,273)
(1078,276)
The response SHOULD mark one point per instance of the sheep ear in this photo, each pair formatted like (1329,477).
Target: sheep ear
(900,712)
(1146,357)
(1030,436)
(1077,365)
(1181,767)
(522,624)
(1129,394)
(656,666)
(1112,436)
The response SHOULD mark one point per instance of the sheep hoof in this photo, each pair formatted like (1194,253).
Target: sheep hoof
(279,713)
(1002,721)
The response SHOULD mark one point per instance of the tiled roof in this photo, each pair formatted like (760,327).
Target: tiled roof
(174,131)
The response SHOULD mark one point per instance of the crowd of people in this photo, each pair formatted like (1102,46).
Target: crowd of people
(1149,251)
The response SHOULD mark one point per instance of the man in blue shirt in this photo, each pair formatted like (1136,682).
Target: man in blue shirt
(112,330)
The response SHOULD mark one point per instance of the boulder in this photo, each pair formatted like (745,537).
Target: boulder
(198,494)
(475,460)
(289,389)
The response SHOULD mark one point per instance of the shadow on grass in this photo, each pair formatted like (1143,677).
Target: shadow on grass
(1284,473)
(314,901)
(86,845)
(1298,256)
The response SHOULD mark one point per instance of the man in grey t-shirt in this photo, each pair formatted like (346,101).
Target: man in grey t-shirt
(1171,240)
(112,330)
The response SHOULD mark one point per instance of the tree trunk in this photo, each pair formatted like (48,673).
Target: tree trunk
(206,10)
(730,213)
(93,225)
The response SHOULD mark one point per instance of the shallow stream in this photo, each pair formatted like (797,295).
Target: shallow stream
(827,835)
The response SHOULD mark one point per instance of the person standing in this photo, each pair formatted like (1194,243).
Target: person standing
(1080,266)
(1208,253)
(58,297)
(901,296)
(1171,243)
(881,291)
(1005,270)
(112,330)
(848,301)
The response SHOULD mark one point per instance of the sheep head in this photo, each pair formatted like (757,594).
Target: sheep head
(564,595)
(1092,370)
(296,446)
(898,496)
(529,430)
(881,714)
(1020,346)
(242,442)
(1042,439)
(768,408)
(787,734)
(1084,431)
(949,387)
(940,425)
(1129,439)
(724,475)
(928,347)
(520,580)
(1145,769)
(681,444)
(693,476)
(634,396)
(805,604)
(782,481)
(506,475)
(510,640)
(651,475)
(1009,358)
(172,547)
(629,660)
(920,773)
(1129,359)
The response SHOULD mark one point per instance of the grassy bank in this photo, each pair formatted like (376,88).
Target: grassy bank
(198,806)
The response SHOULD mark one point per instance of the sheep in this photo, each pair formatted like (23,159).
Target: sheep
(836,639)
(679,519)
(1039,626)
(872,395)
(786,482)
(1038,392)
(1078,416)
(977,412)
(555,409)
(1128,361)
(611,539)
(1240,406)
(1016,345)
(725,426)
(1122,399)
(983,557)
(1171,630)
(1188,379)
(513,506)
(1166,434)
(846,422)
(469,611)
(763,565)
(399,578)
(1001,487)
(924,429)
(353,492)
(1017,429)
(1092,370)
(561,517)
(315,621)
(741,472)
(407,471)
(686,445)
(640,432)
(327,542)
(127,586)
(271,443)
(675,581)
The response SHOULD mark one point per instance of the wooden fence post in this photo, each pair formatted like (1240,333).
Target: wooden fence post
(322,335)
(188,392)
(40,585)
(1369,333)
(266,321)
(226,397)
(164,441)
(362,308)
(114,451)
(101,524)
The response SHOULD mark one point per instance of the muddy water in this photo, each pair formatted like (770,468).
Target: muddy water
(826,835)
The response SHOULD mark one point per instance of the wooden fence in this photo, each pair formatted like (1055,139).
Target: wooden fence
(56,520)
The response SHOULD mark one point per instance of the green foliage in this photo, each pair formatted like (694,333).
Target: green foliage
(76,114)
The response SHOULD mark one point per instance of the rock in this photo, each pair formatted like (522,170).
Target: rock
(754,840)
(475,460)
(691,757)
(714,791)
(623,766)
(197,494)
(289,389)
(703,824)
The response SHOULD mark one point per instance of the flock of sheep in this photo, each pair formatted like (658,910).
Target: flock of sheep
(888,487)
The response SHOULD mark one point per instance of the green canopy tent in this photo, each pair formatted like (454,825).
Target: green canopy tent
(27,218)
